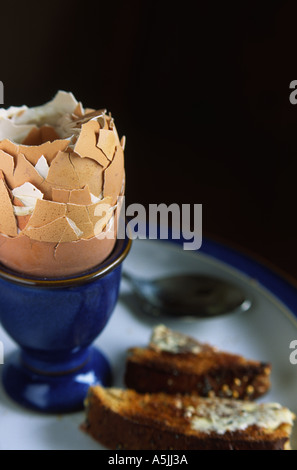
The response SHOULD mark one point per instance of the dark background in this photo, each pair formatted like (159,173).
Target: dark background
(202,95)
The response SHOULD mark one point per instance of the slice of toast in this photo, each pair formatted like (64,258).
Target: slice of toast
(176,363)
(127,420)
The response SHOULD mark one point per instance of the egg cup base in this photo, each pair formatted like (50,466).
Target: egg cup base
(54,391)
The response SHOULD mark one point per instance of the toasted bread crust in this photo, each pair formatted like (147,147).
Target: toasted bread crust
(208,373)
(124,419)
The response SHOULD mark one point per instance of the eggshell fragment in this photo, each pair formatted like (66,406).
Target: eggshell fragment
(46,212)
(70,232)
(49,113)
(21,213)
(79,110)
(74,196)
(8,223)
(16,132)
(86,145)
(80,216)
(24,202)
(53,232)
(28,194)
(89,173)
(7,166)
(9,147)
(81,196)
(42,167)
(48,149)
(107,143)
(62,173)
(114,175)
(25,172)
(88,111)
(39,135)
(34,152)
(92,114)
(123,142)
(60,195)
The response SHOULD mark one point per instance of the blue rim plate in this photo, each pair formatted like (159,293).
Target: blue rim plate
(264,333)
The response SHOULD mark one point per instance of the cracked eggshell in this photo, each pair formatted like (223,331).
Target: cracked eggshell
(25,172)
(33,152)
(24,201)
(46,212)
(55,260)
(39,135)
(62,174)
(7,166)
(8,222)
(21,212)
(89,173)
(55,232)
(74,196)
(42,167)
(114,175)
(80,216)
(75,160)
(107,143)
(80,196)
(28,194)
(9,147)
(18,170)
(48,149)
(86,145)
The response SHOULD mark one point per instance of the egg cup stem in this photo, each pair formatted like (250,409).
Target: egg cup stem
(54,325)
(54,387)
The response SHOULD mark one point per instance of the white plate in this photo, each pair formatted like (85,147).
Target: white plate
(264,332)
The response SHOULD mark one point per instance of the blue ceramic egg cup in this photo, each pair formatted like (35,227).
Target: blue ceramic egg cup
(54,323)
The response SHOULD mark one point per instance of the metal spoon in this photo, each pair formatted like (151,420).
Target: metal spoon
(188,295)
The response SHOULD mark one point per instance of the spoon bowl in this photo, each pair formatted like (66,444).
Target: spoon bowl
(188,295)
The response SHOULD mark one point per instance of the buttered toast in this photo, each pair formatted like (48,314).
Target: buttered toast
(176,363)
(128,420)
